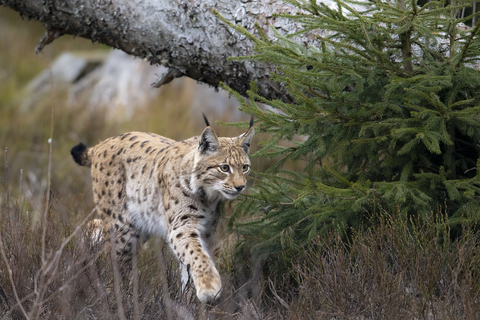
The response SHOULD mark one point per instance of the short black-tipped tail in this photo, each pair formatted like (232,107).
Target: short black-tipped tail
(80,155)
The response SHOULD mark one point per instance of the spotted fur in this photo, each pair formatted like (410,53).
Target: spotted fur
(146,185)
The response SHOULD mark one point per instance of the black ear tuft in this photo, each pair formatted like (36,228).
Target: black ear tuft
(206,120)
(251,125)
(77,152)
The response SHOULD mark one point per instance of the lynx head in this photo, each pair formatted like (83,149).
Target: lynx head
(222,164)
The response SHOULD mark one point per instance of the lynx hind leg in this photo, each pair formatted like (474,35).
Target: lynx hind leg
(124,237)
(185,276)
(96,231)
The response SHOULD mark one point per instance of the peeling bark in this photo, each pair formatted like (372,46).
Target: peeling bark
(183,35)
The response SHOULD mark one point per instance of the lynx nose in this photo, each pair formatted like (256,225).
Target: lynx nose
(240,188)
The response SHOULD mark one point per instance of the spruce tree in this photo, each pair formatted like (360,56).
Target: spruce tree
(388,106)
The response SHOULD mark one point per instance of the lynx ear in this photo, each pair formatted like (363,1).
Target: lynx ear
(246,138)
(208,141)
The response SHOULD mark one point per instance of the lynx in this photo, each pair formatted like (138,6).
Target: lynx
(145,185)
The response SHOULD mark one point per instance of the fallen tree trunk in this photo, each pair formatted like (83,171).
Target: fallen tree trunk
(184,36)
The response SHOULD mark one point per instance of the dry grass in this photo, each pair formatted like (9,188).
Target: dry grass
(395,270)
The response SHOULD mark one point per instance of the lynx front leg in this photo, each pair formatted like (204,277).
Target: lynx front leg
(188,248)
(191,251)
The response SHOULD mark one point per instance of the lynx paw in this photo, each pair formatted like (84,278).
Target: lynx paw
(209,286)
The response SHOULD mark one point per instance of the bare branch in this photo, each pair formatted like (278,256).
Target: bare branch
(171,74)
(47,38)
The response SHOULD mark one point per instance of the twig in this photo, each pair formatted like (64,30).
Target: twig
(117,281)
(88,307)
(67,240)
(7,315)
(20,189)
(468,170)
(171,74)
(6,179)
(164,283)
(181,311)
(274,292)
(10,275)
(50,141)
(47,38)
(67,282)
(278,91)
(136,308)
(39,285)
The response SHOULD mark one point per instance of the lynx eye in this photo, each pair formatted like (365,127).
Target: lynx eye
(224,168)
(245,167)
